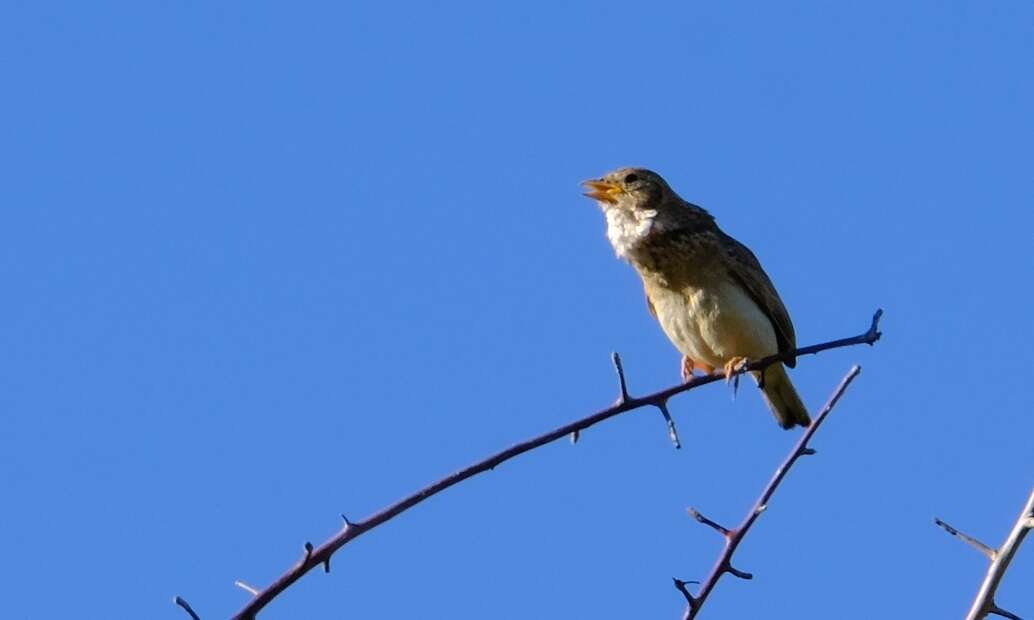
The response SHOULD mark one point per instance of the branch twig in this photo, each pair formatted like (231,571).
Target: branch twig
(186,607)
(969,540)
(321,555)
(984,604)
(734,537)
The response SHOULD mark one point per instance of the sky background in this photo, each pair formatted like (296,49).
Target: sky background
(264,264)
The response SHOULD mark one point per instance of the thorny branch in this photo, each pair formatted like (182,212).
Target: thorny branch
(984,604)
(321,555)
(734,537)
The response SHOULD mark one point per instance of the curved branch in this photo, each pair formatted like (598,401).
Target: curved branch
(733,538)
(321,554)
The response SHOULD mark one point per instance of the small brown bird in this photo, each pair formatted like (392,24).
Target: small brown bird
(708,291)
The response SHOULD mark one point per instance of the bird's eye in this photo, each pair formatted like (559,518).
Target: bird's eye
(632,178)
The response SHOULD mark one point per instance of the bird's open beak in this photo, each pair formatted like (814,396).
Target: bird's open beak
(601,190)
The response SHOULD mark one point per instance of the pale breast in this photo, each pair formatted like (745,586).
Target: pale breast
(714,323)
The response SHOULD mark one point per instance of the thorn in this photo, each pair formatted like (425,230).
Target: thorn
(574,437)
(243,586)
(673,432)
(969,540)
(761,378)
(616,359)
(998,611)
(186,607)
(760,509)
(326,565)
(738,573)
(308,550)
(693,512)
(874,330)
(808,452)
(345,519)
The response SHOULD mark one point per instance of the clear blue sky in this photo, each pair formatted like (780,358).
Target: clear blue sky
(264,264)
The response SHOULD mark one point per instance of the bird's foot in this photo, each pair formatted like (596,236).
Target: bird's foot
(687,368)
(689,365)
(733,366)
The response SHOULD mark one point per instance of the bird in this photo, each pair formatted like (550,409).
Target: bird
(707,290)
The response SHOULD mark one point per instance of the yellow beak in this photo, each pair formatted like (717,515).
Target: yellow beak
(601,190)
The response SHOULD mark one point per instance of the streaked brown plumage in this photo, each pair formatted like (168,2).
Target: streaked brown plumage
(708,291)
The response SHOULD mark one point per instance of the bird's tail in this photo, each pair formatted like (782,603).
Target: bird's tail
(782,398)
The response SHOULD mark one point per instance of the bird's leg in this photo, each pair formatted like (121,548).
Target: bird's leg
(734,364)
(687,368)
(689,365)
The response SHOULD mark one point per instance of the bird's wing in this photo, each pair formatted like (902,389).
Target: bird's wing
(746,270)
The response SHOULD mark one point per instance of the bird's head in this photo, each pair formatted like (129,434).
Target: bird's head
(629,189)
(636,203)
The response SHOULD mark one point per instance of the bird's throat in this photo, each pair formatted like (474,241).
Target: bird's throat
(627,229)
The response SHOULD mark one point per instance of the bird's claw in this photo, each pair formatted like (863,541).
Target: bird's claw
(733,366)
(687,368)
